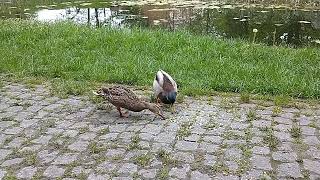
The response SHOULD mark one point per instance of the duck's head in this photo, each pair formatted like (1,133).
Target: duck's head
(169,98)
(99,92)
(156,109)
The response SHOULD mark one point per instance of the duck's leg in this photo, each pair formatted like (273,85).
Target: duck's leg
(173,109)
(158,102)
(122,115)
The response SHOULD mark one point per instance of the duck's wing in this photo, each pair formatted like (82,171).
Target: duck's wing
(120,96)
(168,83)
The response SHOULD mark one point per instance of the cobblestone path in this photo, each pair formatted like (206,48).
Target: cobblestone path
(45,137)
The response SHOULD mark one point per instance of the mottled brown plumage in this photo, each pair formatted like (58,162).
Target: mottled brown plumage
(122,97)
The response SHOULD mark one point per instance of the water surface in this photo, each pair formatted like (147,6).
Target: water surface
(274,25)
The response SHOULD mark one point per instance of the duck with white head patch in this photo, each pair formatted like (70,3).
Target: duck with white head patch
(165,88)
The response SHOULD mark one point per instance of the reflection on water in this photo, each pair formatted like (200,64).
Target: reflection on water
(275,25)
(92,16)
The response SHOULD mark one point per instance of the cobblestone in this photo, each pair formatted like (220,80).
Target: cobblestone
(67,138)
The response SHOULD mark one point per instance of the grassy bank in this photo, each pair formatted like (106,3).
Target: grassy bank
(200,64)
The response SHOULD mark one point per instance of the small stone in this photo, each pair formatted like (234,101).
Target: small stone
(308,131)
(312,166)
(192,138)
(152,129)
(64,124)
(172,127)
(157,146)
(184,157)
(311,140)
(283,127)
(233,154)
(6,124)
(53,172)
(4,153)
(148,173)
(118,128)
(165,137)
(78,170)
(2,174)
(14,109)
(239,126)
(197,130)
(289,170)
(126,136)
(314,176)
(70,133)
(261,124)
(93,176)
(79,146)
(252,174)
(28,123)
(128,168)
(232,166)
(256,140)
(34,108)
(146,136)
(284,156)
(180,173)
(208,147)
(261,162)
(261,150)
(314,152)
(17,142)
(66,159)
(27,172)
(196,175)
(54,131)
(282,120)
(115,152)
(209,160)
(304,121)
(122,178)
(106,167)
(134,128)
(47,157)
(226,177)
(186,146)
(235,142)
(42,139)
(144,144)
(283,136)
(109,136)
(13,131)
(11,162)
(88,136)
(213,139)
(286,147)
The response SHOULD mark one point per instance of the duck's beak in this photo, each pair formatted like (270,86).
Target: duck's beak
(95,93)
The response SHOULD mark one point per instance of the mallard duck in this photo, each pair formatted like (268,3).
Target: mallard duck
(122,97)
(165,88)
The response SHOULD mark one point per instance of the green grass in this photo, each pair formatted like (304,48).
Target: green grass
(74,56)
(295,131)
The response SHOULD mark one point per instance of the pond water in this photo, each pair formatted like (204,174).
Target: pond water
(272,25)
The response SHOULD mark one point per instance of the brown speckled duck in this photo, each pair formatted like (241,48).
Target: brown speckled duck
(122,97)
